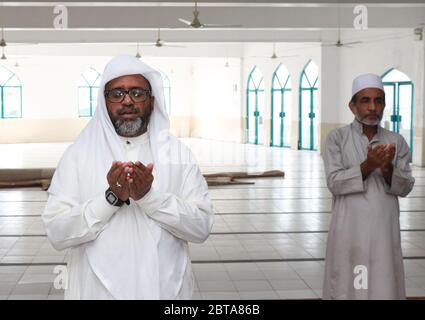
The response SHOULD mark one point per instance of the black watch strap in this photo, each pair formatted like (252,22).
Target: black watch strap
(113,199)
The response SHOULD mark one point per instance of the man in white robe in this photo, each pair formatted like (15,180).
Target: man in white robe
(367,169)
(127,196)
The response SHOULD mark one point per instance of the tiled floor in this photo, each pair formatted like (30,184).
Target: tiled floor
(268,240)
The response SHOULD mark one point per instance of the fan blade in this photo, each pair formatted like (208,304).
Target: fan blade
(212,25)
(352,42)
(12,44)
(295,55)
(392,37)
(329,44)
(173,45)
(153,44)
(185,21)
(342,44)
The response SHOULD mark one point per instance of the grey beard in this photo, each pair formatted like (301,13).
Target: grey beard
(129,128)
(367,122)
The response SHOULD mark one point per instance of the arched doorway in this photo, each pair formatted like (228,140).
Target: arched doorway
(254,106)
(399,104)
(281,107)
(10,94)
(308,123)
(88,87)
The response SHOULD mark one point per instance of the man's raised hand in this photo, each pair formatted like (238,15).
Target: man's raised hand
(140,180)
(117,179)
(375,156)
(389,153)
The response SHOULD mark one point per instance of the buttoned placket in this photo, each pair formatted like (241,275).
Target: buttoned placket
(375,139)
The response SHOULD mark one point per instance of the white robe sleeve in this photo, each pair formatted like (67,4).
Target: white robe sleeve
(190,216)
(402,181)
(70,225)
(340,180)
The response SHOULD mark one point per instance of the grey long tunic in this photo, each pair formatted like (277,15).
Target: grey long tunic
(365,227)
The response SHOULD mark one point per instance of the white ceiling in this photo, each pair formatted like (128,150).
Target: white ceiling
(130,22)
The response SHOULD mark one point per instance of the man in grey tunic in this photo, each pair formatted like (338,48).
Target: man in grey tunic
(367,169)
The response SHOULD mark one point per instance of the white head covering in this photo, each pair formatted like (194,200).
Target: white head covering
(365,81)
(125,254)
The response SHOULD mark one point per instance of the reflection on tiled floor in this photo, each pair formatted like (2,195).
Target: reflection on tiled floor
(256,280)
(268,240)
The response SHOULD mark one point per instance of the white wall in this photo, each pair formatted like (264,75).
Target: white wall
(216,105)
(204,96)
(50,84)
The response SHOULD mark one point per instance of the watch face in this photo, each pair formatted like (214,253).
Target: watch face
(111,198)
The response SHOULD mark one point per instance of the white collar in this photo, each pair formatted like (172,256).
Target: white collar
(136,141)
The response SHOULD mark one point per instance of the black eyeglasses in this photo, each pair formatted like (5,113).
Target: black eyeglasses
(136,94)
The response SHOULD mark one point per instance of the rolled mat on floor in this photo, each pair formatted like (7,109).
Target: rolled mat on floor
(243,175)
(229,178)
(27,178)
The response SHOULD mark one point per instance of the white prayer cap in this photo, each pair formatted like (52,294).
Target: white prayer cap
(365,81)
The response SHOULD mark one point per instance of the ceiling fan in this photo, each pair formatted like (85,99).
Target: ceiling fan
(3,45)
(138,55)
(419,32)
(196,23)
(160,43)
(275,56)
(340,44)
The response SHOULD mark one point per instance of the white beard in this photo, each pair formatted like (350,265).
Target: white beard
(129,128)
(367,122)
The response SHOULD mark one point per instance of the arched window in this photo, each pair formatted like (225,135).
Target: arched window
(254,106)
(88,87)
(399,104)
(281,108)
(167,92)
(10,94)
(308,137)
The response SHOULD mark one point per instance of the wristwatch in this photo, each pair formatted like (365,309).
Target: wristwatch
(112,199)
